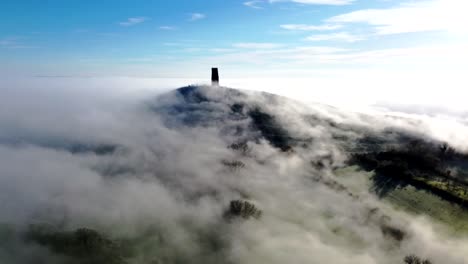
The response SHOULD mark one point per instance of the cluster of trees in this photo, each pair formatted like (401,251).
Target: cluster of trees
(241,147)
(238,108)
(412,259)
(243,209)
(270,129)
(83,245)
(417,159)
(234,164)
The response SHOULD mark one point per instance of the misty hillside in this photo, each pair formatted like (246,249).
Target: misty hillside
(208,174)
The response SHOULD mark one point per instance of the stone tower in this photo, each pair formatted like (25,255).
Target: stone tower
(214,77)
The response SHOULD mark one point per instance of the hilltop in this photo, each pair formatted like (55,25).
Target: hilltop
(218,175)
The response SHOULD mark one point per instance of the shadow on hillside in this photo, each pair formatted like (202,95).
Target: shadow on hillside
(417,163)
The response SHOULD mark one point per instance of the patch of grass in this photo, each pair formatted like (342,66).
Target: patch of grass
(459,191)
(410,199)
(447,189)
(424,165)
(417,201)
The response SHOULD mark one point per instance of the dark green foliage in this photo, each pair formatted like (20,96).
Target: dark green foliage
(413,259)
(84,246)
(446,152)
(416,157)
(102,149)
(416,163)
(388,229)
(393,232)
(244,209)
(61,144)
(234,164)
(241,147)
(270,129)
(332,184)
(322,161)
(192,94)
(237,108)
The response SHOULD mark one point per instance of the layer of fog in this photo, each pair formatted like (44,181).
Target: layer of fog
(171,178)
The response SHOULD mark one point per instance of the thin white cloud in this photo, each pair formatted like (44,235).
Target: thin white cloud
(140,60)
(192,49)
(167,28)
(133,21)
(6,42)
(339,36)
(197,16)
(253,4)
(278,58)
(14,43)
(304,27)
(448,59)
(222,50)
(422,16)
(256,45)
(108,34)
(81,30)
(172,44)
(317,2)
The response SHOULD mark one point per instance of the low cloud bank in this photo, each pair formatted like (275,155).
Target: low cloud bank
(157,176)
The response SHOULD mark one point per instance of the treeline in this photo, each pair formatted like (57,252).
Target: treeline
(413,259)
(83,245)
(418,163)
(242,209)
(417,158)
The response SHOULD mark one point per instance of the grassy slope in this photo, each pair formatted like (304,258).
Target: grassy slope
(409,199)
(459,191)
(422,202)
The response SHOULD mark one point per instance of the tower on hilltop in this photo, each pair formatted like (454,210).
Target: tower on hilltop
(214,77)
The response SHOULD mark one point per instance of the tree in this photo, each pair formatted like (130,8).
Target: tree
(413,259)
(244,209)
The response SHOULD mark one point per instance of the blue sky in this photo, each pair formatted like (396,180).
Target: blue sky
(266,38)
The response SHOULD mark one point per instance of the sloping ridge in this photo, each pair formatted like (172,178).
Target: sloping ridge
(207,105)
(210,105)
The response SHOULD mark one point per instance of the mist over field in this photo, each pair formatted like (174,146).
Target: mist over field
(205,175)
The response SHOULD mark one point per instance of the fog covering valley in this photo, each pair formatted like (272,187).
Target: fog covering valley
(208,174)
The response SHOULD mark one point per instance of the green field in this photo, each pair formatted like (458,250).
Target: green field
(422,202)
(412,200)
